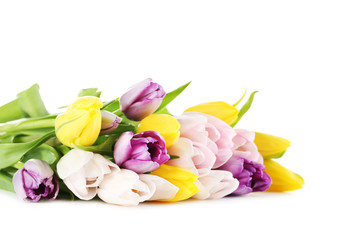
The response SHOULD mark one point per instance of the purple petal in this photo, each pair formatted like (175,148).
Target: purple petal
(140,166)
(18,184)
(122,148)
(134,93)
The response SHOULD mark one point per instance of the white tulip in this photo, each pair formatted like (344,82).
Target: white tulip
(83,171)
(124,188)
(216,184)
(160,189)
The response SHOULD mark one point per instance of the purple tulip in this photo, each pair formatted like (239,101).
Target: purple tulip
(251,175)
(142,152)
(36,181)
(142,99)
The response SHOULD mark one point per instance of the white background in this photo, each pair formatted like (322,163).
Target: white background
(302,56)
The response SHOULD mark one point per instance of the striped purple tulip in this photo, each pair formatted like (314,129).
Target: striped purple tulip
(36,181)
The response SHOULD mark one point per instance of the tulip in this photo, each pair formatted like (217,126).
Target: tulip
(271,146)
(142,152)
(109,122)
(216,184)
(83,171)
(160,189)
(142,99)
(123,188)
(81,123)
(181,178)
(222,110)
(210,135)
(185,152)
(35,181)
(245,146)
(282,178)
(166,125)
(251,175)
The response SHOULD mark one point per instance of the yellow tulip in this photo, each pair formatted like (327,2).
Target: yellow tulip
(271,146)
(222,110)
(81,123)
(166,125)
(181,178)
(282,178)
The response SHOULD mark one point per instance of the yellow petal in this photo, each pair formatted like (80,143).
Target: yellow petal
(166,125)
(181,178)
(221,110)
(69,126)
(91,130)
(81,123)
(271,146)
(282,178)
(88,102)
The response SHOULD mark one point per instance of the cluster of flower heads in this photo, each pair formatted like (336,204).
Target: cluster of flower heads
(132,150)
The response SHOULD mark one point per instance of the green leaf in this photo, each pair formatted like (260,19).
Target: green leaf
(112,106)
(171,96)
(31,103)
(174,157)
(6,182)
(43,152)
(164,111)
(10,153)
(104,145)
(28,124)
(11,111)
(27,104)
(89,92)
(244,108)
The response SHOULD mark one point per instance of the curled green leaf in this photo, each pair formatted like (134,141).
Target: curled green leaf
(244,108)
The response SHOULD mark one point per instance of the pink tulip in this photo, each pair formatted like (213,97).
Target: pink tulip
(212,139)
(245,146)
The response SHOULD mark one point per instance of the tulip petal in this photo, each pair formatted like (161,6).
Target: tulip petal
(160,189)
(122,148)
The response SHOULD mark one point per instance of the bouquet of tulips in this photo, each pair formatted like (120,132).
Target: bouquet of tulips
(132,149)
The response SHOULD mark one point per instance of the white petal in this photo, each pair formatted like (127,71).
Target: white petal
(160,189)
(120,187)
(72,162)
(184,149)
(217,184)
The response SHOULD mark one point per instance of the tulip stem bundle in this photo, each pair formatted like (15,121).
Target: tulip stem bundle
(131,149)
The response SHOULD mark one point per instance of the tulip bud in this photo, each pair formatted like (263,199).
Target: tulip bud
(141,153)
(109,122)
(221,110)
(123,188)
(282,178)
(142,99)
(216,184)
(81,123)
(270,146)
(166,125)
(36,181)
(83,171)
(251,175)
(181,178)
